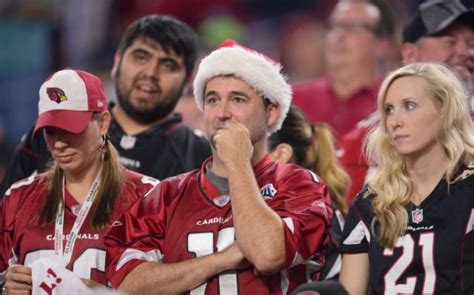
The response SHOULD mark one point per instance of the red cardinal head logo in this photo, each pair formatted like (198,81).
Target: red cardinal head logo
(56,94)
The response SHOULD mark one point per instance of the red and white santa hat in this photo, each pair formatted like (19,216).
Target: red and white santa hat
(252,67)
(68,99)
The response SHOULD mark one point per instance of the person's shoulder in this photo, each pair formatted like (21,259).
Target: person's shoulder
(192,143)
(33,145)
(143,184)
(463,182)
(363,126)
(306,93)
(363,201)
(186,136)
(294,174)
(27,188)
(183,179)
(185,132)
(465,174)
(136,178)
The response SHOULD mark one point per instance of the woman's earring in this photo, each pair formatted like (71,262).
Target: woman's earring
(103,147)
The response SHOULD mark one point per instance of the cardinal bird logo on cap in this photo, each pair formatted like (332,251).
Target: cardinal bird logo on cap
(56,94)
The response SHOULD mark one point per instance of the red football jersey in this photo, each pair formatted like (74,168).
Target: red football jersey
(187,217)
(320,103)
(24,241)
(351,155)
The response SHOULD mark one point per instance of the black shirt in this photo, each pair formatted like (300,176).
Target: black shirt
(436,254)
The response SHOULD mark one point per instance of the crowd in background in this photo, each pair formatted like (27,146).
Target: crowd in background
(335,54)
(43,36)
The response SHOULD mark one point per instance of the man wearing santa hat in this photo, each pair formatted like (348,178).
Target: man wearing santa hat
(240,224)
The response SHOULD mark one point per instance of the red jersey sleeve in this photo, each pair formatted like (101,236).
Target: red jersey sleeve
(10,205)
(137,236)
(303,203)
(5,238)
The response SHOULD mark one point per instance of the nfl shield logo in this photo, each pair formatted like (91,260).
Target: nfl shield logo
(417,215)
(128,142)
(222,200)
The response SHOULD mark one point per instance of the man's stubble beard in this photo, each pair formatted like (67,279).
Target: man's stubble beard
(160,111)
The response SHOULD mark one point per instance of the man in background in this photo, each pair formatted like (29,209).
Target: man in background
(359,36)
(441,31)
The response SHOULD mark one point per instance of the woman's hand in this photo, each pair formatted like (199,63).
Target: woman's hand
(91,283)
(18,280)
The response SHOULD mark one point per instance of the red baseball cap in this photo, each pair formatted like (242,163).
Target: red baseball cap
(67,100)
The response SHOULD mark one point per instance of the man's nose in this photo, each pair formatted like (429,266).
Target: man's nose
(151,70)
(223,111)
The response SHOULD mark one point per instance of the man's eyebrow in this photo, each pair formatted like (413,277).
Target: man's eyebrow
(212,92)
(240,93)
(141,50)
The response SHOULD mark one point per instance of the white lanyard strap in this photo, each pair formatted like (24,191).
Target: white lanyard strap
(65,256)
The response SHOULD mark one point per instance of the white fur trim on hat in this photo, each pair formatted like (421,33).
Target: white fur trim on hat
(251,67)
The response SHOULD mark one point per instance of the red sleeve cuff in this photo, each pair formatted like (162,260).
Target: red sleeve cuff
(117,277)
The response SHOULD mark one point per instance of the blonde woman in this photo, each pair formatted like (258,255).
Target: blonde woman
(312,147)
(411,230)
(76,200)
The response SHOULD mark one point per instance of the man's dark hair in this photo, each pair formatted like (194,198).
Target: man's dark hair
(169,32)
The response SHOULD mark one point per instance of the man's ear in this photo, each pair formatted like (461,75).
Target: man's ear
(273,112)
(283,153)
(113,72)
(409,52)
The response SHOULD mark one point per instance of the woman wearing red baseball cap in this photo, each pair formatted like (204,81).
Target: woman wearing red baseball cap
(52,223)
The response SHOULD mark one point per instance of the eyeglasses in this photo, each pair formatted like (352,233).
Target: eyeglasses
(353,27)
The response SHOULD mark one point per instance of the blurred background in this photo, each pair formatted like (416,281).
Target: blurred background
(42,36)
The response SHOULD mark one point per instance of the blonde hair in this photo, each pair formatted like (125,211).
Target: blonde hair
(391,185)
(314,149)
(111,183)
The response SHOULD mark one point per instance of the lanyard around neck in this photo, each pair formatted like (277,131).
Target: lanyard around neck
(65,256)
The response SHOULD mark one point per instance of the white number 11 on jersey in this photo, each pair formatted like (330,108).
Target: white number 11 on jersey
(202,244)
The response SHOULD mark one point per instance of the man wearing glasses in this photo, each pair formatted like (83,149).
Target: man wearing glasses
(358,38)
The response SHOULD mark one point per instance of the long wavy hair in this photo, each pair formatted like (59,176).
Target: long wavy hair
(314,149)
(391,186)
(111,183)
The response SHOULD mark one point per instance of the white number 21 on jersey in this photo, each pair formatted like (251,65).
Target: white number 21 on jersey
(408,248)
